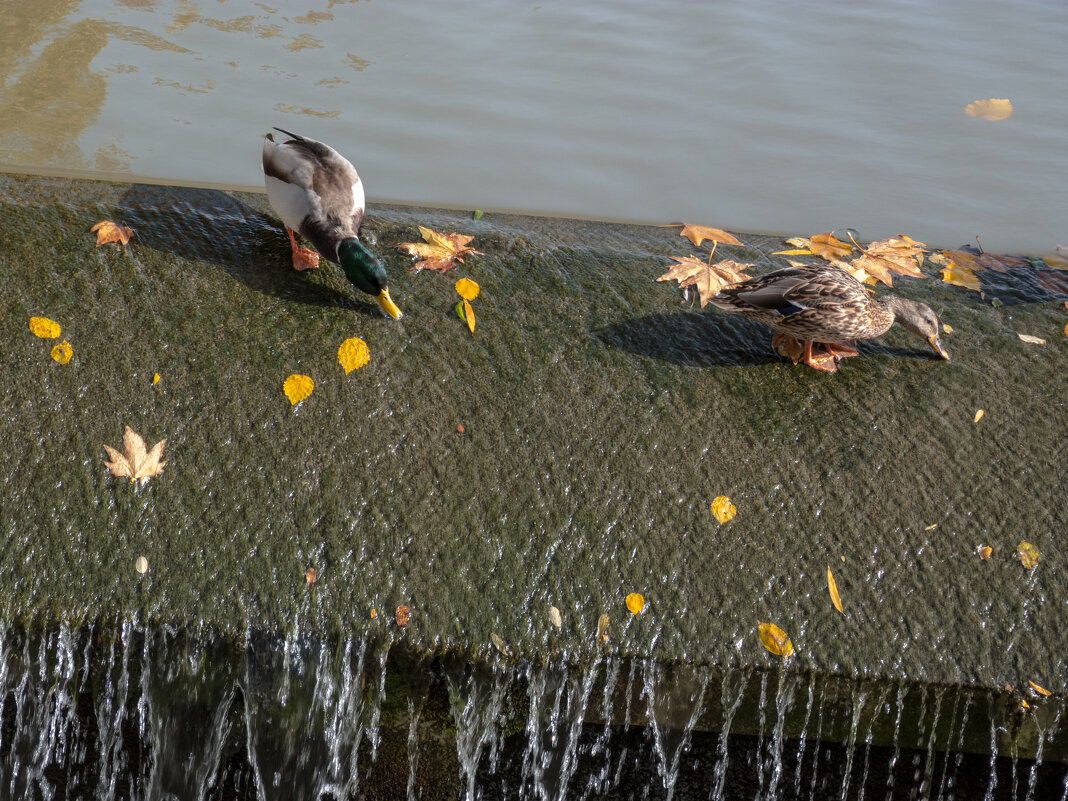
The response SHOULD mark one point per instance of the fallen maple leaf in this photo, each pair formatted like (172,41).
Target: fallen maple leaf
(961,276)
(897,254)
(775,640)
(135,463)
(439,252)
(826,246)
(707,278)
(993,108)
(108,231)
(699,233)
(832,587)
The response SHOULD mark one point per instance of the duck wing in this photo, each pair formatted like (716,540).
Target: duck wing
(792,290)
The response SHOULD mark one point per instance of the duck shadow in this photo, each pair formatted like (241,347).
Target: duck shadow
(208,225)
(693,339)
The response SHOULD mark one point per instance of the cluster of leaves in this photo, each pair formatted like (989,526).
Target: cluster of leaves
(700,274)
(440,252)
(352,354)
(47,329)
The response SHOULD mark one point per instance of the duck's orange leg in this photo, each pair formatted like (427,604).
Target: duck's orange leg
(841,350)
(787,346)
(820,360)
(303,258)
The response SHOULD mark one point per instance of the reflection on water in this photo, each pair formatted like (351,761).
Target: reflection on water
(757,116)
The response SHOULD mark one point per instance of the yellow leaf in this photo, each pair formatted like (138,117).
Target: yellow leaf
(723,509)
(897,254)
(141,565)
(961,276)
(832,587)
(374,613)
(699,233)
(635,602)
(402,615)
(796,252)
(947,328)
(155,378)
(554,617)
(437,251)
(1032,340)
(108,231)
(309,576)
(707,278)
(992,108)
(978,416)
(135,462)
(469,315)
(44,328)
(1027,554)
(297,388)
(467,289)
(1039,690)
(932,526)
(353,354)
(985,551)
(826,246)
(62,352)
(775,640)
(602,628)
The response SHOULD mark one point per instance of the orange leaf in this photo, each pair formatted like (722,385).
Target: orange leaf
(985,551)
(437,251)
(775,640)
(402,615)
(467,289)
(1039,690)
(699,233)
(723,509)
(832,587)
(635,602)
(309,576)
(1027,554)
(108,231)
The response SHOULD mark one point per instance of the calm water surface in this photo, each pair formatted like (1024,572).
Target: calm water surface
(761,116)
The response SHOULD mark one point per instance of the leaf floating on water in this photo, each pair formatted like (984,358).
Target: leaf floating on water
(437,251)
(707,278)
(723,509)
(498,643)
(554,617)
(1031,340)
(635,602)
(297,388)
(309,576)
(775,640)
(62,352)
(993,108)
(1039,690)
(135,463)
(602,628)
(985,551)
(108,231)
(44,328)
(832,587)
(402,615)
(1027,554)
(353,354)
(467,289)
(978,416)
(141,565)
(699,233)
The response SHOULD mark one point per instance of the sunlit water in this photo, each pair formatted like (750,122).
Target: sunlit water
(771,116)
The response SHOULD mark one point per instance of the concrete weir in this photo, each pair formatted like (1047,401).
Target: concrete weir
(563,455)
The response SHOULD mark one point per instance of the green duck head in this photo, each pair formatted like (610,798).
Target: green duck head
(364,269)
(919,319)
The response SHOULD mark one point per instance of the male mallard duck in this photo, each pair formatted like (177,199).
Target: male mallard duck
(316,190)
(827,309)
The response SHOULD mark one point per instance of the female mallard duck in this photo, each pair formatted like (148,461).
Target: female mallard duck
(316,191)
(827,309)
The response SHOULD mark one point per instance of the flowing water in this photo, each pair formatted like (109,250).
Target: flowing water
(566,454)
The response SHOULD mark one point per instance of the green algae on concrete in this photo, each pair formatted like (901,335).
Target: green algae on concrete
(600,419)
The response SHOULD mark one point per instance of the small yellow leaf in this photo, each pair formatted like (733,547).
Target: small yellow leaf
(62,352)
(155,378)
(775,640)
(1031,340)
(374,613)
(554,617)
(932,526)
(635,602)
(467,289)
(498,643)
(832,587)
(469,315)
(309,576)
(985,551)
(353,354)
(947,328)
(297,388)
(602,628)
(1027,554)
(978,416)
(44,328)
(992,108)
(1039,690)
(141,565)
(723,509)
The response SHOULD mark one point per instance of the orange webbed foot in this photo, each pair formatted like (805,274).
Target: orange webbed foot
(787,346)
(841,350)
(303,258)
(819,359)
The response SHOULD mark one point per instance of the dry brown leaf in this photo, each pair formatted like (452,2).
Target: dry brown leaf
(498,643)
(602,628)
(707,278)
(897,254)
(554,617)
(108,231)
(985,551)
(402,615)
(135,463)
(438,251)
(1051,281)
(775,640)
(826,246)
(699,233)
(309,576)
(832,587)
(1027,554)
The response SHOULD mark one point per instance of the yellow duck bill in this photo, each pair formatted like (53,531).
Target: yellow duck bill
(390,308)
